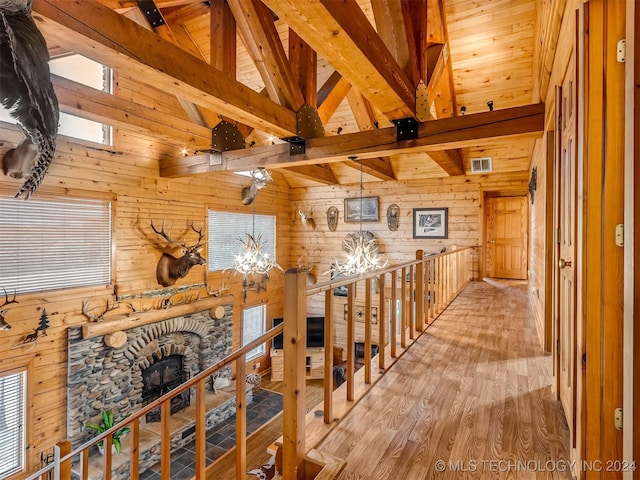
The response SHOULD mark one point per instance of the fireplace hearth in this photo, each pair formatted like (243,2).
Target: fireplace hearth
(161,377)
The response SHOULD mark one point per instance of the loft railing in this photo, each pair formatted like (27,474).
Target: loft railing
(415,295)
(427,285)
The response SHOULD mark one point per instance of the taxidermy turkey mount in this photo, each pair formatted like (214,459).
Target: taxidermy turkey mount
(25,87)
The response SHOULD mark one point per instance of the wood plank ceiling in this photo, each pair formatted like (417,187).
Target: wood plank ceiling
(360,63)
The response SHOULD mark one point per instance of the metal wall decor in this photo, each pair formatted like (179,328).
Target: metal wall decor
(393,216)
(332,218)
(533,183)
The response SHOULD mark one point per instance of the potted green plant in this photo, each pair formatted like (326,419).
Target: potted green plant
(108,421)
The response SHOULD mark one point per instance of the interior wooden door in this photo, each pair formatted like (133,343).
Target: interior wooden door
(566,228)
(507,237)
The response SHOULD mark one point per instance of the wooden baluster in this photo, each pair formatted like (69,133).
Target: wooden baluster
(108,457)
(241,417)
(84,464)
(328,356)
(165,439)
(134,449)
(403,318)
(420,291)
(351,327)
(382,320)
(393,337)
(294,411)
(412,310)
(201,431)
(65,467)
(367,331)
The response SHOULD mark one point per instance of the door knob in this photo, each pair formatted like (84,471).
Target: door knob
(563,263)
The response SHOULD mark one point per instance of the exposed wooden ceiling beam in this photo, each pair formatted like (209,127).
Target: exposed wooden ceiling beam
(223,38)
(391,28)
(376,167)
(124,5)
(433,135)
(86,102)
(304,65)
(365,117)
(317,173)
(449,160)
(255,24)
(331,95)
(97,32)
(341,33)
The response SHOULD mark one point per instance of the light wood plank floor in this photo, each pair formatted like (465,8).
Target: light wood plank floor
(474,390)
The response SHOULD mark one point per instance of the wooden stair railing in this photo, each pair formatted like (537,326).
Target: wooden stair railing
(60,468)
(428,285)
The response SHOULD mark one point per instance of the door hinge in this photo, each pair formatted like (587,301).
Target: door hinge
(617,415)
(620,235)
(621,51)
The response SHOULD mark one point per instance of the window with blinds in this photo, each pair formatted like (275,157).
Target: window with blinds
(12,423)
(226,229)
(54,244)
(253,326)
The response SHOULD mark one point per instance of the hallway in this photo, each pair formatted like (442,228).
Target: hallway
(473,394)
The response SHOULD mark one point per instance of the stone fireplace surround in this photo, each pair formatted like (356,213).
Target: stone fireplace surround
(102,378)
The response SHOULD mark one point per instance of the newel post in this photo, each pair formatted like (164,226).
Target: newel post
(295,332)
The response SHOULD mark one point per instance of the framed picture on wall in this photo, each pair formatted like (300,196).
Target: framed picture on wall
(369,211)
(430,223)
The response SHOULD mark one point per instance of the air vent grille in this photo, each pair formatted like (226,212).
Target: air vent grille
(481,165)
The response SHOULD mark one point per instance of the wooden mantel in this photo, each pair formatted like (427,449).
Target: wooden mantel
(125,322)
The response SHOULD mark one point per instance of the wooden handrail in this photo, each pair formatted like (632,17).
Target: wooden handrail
(431,278)
(133,419)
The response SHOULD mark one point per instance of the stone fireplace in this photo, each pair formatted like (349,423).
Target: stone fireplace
(156,358)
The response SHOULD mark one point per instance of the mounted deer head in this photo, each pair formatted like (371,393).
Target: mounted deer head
(4,325)
(170,268)
(306,217)
(307,268)
(260,178)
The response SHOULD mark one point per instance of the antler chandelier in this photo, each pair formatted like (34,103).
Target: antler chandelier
(362,252)
(253,260)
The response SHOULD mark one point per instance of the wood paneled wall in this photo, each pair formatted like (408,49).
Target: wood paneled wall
(461,195)
(128,174)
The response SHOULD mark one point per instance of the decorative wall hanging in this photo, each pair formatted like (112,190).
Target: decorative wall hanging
(332,218)
(393,216)
(306,217)
(533,183)
(170,268)
(362,209)
(261,177)
(430,223)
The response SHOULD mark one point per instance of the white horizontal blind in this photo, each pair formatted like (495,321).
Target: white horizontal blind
(54,244)
(253,326)
(226,229)
(12,423)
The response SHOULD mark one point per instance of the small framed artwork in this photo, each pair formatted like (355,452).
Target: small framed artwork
(430,223)
(365,209)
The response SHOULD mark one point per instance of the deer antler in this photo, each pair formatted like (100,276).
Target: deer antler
(200,235)
(86,311)
(7,301)
(164,235)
